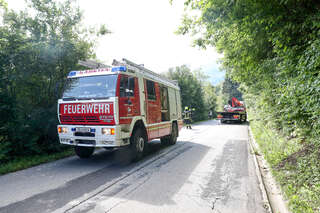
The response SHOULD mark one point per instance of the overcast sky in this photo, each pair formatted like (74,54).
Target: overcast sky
(143,32)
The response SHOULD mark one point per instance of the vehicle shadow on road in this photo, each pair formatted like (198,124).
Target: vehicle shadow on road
(119,169)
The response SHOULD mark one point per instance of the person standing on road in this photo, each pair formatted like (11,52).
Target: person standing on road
(187,117)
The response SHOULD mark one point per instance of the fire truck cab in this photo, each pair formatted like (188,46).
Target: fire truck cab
(122,105)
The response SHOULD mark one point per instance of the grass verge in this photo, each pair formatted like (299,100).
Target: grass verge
(295,165)
(30,161)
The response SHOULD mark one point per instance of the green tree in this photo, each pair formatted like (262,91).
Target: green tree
(230,90)
(38,47)
(273,50)
(192,94)
(210,97)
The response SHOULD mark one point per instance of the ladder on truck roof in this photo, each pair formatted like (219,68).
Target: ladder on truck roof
(92,64)
(148,73)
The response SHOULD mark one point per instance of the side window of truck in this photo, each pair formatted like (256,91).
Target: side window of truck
(151,92)
(127,86)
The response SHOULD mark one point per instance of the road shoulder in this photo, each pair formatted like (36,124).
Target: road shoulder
(272,195)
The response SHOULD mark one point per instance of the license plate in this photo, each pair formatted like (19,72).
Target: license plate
(82,129)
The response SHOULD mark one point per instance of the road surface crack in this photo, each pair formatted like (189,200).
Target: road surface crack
(214,202)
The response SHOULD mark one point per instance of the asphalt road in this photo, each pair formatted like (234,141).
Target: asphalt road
(210,169)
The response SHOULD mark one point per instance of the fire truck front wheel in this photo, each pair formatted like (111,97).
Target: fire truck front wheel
(137,144)
(83,152)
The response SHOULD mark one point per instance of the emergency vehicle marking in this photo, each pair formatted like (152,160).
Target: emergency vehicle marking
(84,113)
(94,108)
(158,127)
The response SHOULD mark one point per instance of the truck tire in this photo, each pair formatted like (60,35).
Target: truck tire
(83,152)
(165,140)
(138,144)
(243,119)
(172,139)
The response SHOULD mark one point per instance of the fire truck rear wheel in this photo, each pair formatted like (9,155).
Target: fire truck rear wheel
(174,135)
(243,119)
(137,144)
(164,140)
(83,152)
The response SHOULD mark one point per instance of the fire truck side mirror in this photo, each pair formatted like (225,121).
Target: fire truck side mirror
(129,91)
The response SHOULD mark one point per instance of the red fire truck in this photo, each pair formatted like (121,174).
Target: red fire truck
(234,111)
(121,105)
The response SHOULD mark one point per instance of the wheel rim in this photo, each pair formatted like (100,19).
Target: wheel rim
(140,144)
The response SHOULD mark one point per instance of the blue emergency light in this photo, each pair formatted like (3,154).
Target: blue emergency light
(121,68)
(72,73)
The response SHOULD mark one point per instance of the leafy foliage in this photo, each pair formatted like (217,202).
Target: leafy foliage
(38,47)
(195,91)
(210,97)
(230,89)
(273,50)
(295,165)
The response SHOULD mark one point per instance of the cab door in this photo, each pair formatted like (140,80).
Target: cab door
(129,103)
(153,108)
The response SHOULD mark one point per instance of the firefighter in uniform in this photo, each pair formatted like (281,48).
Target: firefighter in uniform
(187,117)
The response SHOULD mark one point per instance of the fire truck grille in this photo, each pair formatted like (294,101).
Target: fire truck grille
(80,119)
(229,116)
(84,134)
(91,142)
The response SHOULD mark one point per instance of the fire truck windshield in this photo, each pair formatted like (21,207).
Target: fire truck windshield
(91,87)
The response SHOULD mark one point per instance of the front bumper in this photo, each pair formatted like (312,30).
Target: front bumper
(93,139)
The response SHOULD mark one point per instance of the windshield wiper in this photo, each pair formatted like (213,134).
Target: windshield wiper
(84,98)
(99,98)
(69,98)
(77,98)
(74,98)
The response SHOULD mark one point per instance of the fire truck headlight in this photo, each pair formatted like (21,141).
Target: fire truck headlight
(62,129)
(107,131)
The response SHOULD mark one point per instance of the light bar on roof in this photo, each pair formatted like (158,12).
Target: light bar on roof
(101,71)
(120,68)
